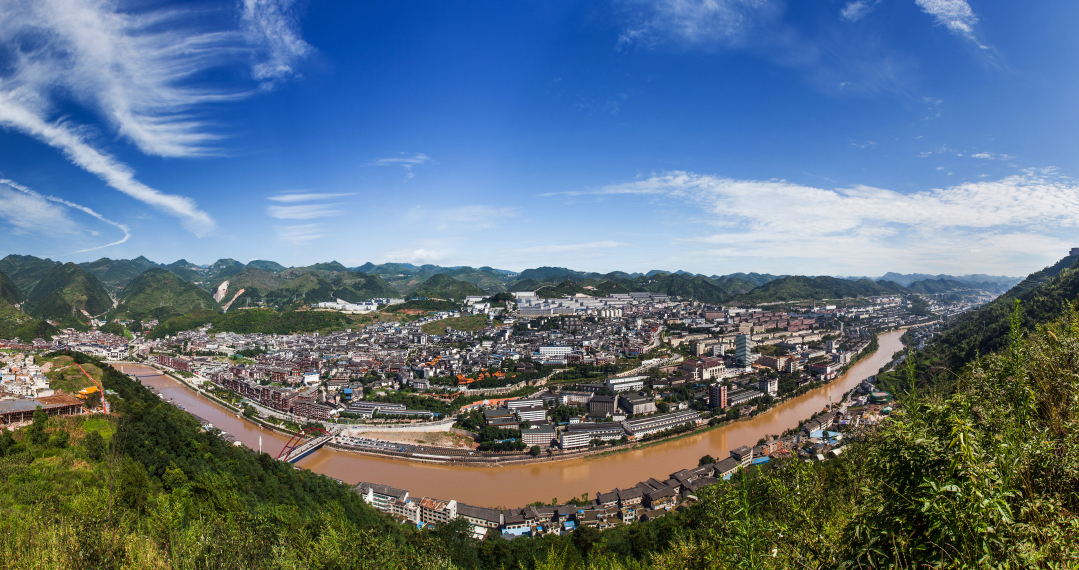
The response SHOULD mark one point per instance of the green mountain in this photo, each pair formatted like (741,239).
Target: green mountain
(68,292)
(14,322)
(222,269)
(249,278)
(115,274)
(697,287)
(9,292)
(186,270)
(798,288)
(304,288)
(159,292)
(26,270)
(442,286)
(267,265)
(354,286)
(525,285)
(1043,296)
(905,279)
(939,286)
(757,279)
(542,273)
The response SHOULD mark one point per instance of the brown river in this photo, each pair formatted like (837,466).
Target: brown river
(518,485)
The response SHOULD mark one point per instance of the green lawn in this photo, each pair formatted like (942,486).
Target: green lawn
(470,323)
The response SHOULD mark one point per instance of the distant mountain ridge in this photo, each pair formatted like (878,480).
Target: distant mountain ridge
(141,286)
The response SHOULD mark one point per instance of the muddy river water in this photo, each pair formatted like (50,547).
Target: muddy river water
(518,485)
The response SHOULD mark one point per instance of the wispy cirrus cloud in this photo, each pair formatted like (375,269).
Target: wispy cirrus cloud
(300,234)
(832,60)
(863,225)
(272,26)
(956,15)
(306,196)
(857,9)
(304,211)
(140,70)
(405,161)
(30,211)
(692,22)
(992,156)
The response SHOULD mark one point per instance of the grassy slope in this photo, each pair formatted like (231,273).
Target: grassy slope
(470,323)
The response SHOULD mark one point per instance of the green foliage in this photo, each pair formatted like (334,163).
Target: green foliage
(1044,294)
(425,306)
(26,270)
(273,322)
(9,292)
(442,286)
(186,322)
(794,288)
(156,288)
(95,445)
(65,291)
(267,265)
(115,274)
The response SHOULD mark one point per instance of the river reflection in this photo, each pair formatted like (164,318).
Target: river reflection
(518,485)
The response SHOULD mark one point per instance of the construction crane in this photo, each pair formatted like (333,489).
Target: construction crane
(100,389)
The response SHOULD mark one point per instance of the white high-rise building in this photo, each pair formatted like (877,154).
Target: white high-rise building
(742,350)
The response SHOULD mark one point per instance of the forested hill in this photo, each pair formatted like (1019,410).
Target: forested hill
(9,293)
(160,293)
(1043,296)
(68,293)
(794,288)
(442,286)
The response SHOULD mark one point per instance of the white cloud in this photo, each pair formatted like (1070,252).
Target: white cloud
(406,161)
(271,24)
(864,225)
(418,256)
(114,173)
(858,9)
(306,196)
(304,211)
(300,234)
(693,22)
(992,156)
(30,213)
(37,212)
(956,15)
(141,70)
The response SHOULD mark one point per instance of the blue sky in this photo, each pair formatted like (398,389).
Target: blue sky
(817,137)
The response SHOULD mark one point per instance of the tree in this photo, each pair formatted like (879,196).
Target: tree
(535,451)
(707,459)
(36,432)
(95,445)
